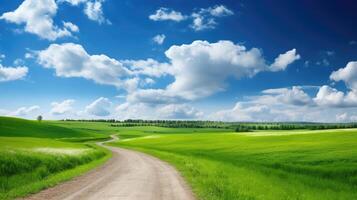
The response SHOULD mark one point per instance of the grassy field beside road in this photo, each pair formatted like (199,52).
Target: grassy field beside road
(218,163)
(260,165)
(33,155)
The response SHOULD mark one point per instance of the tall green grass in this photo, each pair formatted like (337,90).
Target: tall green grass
(35,155)
(24,170)
(320,165)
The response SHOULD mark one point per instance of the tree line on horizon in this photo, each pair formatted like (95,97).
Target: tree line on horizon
(237,126)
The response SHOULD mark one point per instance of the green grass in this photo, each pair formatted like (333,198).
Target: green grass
(36,155)
(320,165)
(217,163)
(128,132)
(30,164)
(15,127)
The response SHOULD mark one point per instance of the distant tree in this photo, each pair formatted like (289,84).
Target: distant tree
(39,118)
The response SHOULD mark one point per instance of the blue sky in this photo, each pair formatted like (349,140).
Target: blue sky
(216,60)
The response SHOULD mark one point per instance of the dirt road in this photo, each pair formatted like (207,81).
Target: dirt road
(128,175)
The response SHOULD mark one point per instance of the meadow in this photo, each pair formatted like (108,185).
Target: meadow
(218,163)
(34,155)
(272,165)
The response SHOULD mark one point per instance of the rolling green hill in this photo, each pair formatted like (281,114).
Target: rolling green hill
(15,127)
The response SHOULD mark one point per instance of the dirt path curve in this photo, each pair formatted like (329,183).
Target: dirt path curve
(128,175)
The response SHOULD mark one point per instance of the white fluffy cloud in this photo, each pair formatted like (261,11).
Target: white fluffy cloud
(100,107)
(347,74)
(294,104)
(150,111)
(37,15)
(179,111)
(206,17)
(330,97)
(24,111)
(220,11)
(200,22)
(92,9)
(148,67)
(283,60)
(72,60)
(61,108)
(159,39)
(241,112)
(293,96)
(282,104)
(201,68)
(12,73)
(163,14)
(153,96)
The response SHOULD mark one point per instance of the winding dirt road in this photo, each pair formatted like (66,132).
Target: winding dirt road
(128,175)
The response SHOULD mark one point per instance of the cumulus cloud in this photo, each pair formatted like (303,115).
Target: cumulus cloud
(93,9)
(293,96)
(64,107)
(148,67)
(73,2)
(206,17)
(159,39)
(70,26)
(129,110)
(283,60)
(163,14)
(294,104)
(347,74)
(220,11)
(179,111)
(201,68)
(12,73)
(24,111)
(100,107)
(330,97)
(241,112)
(200,22)
(280,104)
(37,16)
(72,60)
(153,96)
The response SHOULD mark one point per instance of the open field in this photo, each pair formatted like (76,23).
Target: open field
(32,157)
(320,165)
(15,127)
(217,163)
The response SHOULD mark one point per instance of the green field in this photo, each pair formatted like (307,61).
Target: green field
(217,163)
(258,165)
(33,155)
